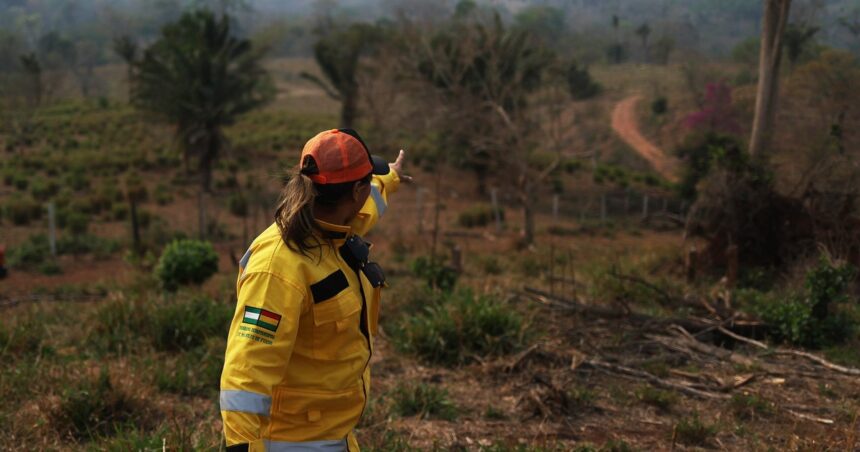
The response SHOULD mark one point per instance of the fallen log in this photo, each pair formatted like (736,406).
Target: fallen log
(653,379)
(785,351)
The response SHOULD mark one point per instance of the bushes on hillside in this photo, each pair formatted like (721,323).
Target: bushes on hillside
(479,215)
(435,273)
(423,400)
(95,408)
(122,325)
(22,210)
(30,253)
(186,261)
(458,326)
(194,373)
(823,313)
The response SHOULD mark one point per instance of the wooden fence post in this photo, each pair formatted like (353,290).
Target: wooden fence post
(52,228)
(496,212)
(645,206)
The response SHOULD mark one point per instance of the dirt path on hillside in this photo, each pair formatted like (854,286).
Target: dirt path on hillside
(625,124)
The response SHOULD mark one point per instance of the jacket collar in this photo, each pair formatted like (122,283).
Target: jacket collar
(333,231)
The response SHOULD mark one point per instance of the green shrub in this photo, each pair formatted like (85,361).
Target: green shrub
(31,253)
(193,373)
(162,195)
(660,105)
(423,400)
(24,337)
(87,244)
(77,179)
(749,406)
(186,261)
(694,432)
(390,441)
(135,188)
(50,267)
(20,181)
(119,212)
(185,325)
(118,326)
(458,327)
(479,215)
(94,408)
(436,274)
(663,400)
(76,222)
(820,315)
(494,414)
(42,189)
(22,210)
(124,325)
(580,84)
(133,437)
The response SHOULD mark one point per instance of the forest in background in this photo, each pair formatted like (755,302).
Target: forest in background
(616,267)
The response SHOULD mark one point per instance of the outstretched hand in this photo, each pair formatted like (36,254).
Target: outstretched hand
(397,167)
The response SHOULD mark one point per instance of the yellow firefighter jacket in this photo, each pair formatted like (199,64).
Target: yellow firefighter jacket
(296,369)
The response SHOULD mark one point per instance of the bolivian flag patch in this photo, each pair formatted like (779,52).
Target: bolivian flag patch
(262,318)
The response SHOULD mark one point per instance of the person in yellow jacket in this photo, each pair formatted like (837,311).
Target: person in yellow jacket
(296,374)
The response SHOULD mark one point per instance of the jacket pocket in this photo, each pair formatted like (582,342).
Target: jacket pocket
(337,333)
(304,415)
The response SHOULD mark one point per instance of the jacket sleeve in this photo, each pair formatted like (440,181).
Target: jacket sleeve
(259,346)
(377,203)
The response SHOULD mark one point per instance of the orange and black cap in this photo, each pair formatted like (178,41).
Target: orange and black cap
(339,155)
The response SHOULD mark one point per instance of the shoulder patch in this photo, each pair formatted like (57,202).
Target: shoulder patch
(262,318)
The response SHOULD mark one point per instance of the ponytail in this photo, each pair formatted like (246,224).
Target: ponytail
(294,216)
(295,213)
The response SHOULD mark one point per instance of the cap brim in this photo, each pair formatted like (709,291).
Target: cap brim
(380,165)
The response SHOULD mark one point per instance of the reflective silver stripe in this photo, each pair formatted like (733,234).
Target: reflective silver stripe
(243,262)
(377,198)
(245,401)
(306,446)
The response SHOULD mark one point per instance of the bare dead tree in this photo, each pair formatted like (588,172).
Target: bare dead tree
(773,28)
(486,77)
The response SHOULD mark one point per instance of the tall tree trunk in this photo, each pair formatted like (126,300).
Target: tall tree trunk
(207,156)
(773,26)
(349,109)
(135,226)
(526,195)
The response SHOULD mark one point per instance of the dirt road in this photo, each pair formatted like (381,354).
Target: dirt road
(627,127)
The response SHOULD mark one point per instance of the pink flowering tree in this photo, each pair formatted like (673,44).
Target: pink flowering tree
(717,115)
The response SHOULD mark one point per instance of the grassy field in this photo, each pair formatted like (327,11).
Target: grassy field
(97,357)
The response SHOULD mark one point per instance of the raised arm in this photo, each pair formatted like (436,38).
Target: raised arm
(381,187)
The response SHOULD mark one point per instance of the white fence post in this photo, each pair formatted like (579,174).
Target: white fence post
(495,201)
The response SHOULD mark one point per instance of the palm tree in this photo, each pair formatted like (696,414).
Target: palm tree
(644,31)
(199,77)
(337,55)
